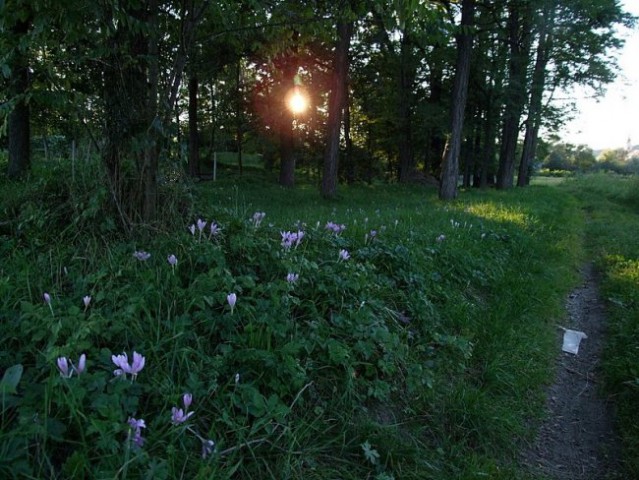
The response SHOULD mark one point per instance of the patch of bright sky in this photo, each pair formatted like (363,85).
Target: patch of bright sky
(612,120)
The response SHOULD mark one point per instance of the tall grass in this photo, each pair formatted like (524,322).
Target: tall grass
(423,355)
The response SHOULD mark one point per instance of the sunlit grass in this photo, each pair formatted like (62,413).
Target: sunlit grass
(499,212)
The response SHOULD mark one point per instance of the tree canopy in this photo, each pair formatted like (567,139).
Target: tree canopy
(141,82)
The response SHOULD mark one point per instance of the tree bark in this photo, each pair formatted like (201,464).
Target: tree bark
(19,119)
(435,137)
(405,80)
(519,37)
(350,161)
(287,132)
(194,134)
(450,167)
(533,120)
(335,107)
(238,116)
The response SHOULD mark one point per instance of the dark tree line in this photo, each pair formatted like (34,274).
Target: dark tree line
(410,90)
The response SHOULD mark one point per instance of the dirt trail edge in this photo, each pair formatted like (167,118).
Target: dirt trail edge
(577,439)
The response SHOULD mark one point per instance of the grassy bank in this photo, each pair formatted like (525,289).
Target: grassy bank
(413,343)
(612,207)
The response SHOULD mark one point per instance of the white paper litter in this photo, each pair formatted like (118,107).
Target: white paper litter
(572,339)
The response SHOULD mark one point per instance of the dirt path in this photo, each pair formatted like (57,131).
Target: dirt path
(577,441)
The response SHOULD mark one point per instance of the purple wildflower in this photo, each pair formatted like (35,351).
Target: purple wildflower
(63,366)
(335,227)
(136,427)
(344,255)
(142,255)
(179,416)
(232,299)
(82,363)
(292,277)
(257,218)
(172,259)
(122,361)
(86,300)
(207,448)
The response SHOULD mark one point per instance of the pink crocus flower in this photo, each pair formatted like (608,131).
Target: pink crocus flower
(63,366)
(187,399)
(82,363)
(142,255)
(172,259)
(136,427)
(207,448)
(122,361)
(179,416)
(201,224)
(257,218)
(47,299)
(231,298)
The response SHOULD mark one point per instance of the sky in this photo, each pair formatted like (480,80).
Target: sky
(613,119)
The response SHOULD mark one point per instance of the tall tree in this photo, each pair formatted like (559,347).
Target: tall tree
(286,124)
(335,108)
(194,133)
(533,121)
(519,28)
(19,117)
(450,168)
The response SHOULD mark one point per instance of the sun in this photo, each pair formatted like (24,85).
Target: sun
(297,101)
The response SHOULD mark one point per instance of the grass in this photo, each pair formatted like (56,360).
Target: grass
(422,356)
(612,207)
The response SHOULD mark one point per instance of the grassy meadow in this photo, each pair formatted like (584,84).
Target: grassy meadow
(383,335)
(611,205)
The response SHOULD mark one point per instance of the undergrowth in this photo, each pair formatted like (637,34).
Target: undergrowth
(383,335)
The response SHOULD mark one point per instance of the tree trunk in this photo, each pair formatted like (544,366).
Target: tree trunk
(519,37)
(130,81)
(450,167)
(211,151)
(238,116)
(335,106)
(435,139)
(194,134)
(19,118)
(533,120)
(489,150)
(350,161)
(287,132)
(405,81)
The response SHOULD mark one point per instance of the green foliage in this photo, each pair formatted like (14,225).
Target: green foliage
(395,363)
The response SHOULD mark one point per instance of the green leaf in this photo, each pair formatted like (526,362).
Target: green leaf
(6,69)
(11,378)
